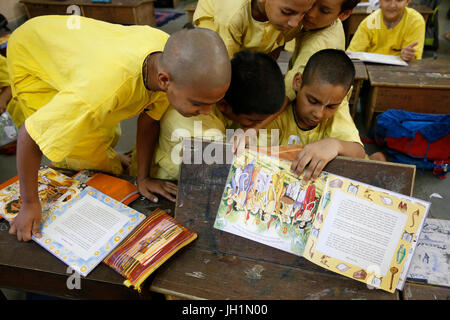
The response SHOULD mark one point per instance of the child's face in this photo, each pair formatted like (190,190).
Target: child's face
(393,9)
(316,102)
(245,120)
(191,101)
(322,14)
(285,14)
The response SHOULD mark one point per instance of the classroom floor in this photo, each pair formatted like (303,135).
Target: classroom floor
(426,186)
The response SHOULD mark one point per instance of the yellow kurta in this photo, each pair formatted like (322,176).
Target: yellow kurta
(173,128)
(373,36)
(74,86)
(309,42)
(233,21)
(339,126)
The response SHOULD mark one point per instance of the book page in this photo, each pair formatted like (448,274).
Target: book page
(87,228)
(264,202)
(364,232)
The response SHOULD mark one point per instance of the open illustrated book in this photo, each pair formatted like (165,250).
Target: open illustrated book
(377,58)
(351,228)
(81,225)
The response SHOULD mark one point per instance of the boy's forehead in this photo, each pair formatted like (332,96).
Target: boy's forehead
(324,91)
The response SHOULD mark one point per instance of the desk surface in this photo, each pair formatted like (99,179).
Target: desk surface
(426,73)
(360,70)
(220,265)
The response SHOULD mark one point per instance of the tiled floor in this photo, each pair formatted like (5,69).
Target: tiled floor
(425,183)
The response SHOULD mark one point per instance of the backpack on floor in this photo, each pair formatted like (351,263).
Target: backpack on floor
(416,138)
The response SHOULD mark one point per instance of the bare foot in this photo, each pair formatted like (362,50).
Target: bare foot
(378,156)
(125,160)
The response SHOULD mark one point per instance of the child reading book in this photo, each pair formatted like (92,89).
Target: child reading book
(256,92)
(73,105)
(257,25)
(312,119)
(394,29)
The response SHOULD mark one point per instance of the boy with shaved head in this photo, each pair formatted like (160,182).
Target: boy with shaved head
(256,25)
(75,82)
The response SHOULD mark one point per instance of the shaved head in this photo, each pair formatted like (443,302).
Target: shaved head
(197,57)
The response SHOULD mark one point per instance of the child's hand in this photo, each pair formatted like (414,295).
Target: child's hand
(149,186)
(27,222)
(408,53)
(5,96)
(316,156)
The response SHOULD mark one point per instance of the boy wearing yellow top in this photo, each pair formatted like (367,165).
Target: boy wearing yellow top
(256,25)
(393,29)
(256,92)
(74,83)
(312,119)
(5,89)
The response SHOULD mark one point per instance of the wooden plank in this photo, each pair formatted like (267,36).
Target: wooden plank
(200,274)
(424,100)
(415,291)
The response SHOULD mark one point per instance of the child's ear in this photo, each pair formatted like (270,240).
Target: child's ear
(345,14)
(223,106)
(164,80)
(297,82)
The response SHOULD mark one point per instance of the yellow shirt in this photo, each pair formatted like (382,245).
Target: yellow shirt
(309,42)
(173,128)
(233,21)
(373,36)
(339,126)
(95,72)
(4,77)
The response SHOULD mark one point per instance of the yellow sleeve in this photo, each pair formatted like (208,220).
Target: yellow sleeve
(4,75)
(416,33)
(59,125)
(363,36)
(158,105)
(343,127)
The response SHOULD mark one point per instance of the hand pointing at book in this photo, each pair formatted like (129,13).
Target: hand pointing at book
(147,187)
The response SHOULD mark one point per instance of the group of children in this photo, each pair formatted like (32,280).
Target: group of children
(71,86)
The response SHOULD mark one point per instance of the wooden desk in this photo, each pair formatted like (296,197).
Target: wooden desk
(190,9)
(27,266)
(423,86)
(140,12)
(360,13)
(360,76)
(219,265)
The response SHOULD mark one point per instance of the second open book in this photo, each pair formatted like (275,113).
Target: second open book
(354,229)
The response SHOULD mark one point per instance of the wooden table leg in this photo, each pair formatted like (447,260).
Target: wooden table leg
(358,85)
(370,107)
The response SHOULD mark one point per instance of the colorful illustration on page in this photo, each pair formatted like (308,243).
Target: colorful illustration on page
(265,202)
(54,189)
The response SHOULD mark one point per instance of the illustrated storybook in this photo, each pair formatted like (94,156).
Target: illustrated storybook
(154,241)
(377,58)
(357,230)
(80,225)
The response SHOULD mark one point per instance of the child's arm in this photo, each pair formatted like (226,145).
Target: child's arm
(316,156)
(5,96)
(28,221)
(408,53)
(147,135)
